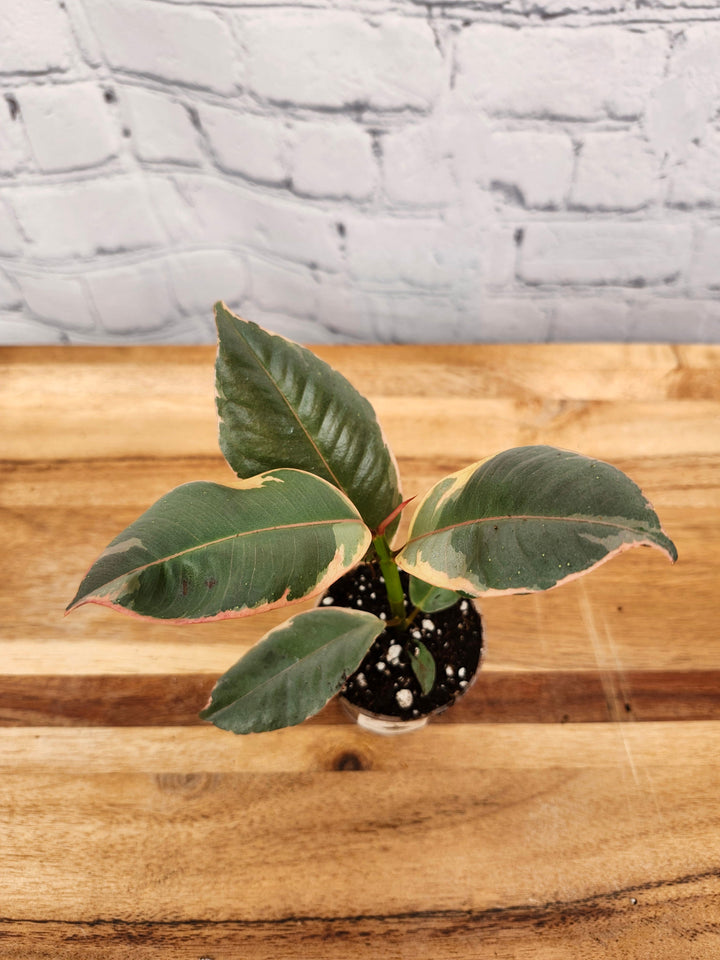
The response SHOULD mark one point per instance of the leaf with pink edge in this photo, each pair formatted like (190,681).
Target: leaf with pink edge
(205,551)
(527,520)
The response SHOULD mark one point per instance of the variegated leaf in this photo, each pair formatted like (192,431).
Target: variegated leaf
(527,520)
(206,551)
(293,671)
(282,406)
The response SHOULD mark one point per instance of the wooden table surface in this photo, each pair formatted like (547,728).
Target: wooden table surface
(567,809)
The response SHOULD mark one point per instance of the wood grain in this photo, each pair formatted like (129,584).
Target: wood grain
(498,697)
(567,808)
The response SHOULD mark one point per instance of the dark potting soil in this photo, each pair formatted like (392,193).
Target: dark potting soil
(385,682)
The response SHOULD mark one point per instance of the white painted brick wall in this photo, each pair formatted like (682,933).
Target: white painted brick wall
(332,58)
(372,171)
(67,126)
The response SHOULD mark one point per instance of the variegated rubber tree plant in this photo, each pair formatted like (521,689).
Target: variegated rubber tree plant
(317,492)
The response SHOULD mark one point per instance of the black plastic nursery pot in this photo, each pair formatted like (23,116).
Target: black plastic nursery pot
(384,695)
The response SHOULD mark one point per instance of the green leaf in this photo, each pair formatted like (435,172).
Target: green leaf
(527,520)
(429,598)
(205,551)
(423,665)
(293,671)
(281,406)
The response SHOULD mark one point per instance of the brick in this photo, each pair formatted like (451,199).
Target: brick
(160,127)
(420,251)
(11,241)
(334,58)
(467,134)
(87,218)
(505,320)
(616,171)
(35,38)
(674,321)
(246,143)
(341,309)
(557,8)
(588,319)
(283,288)
(83,33)
(408,317)
(10,298)
(557,72)
(185,45)
(676,116)
(695,183)
(202,277)
(332,160)
(706,262)
(14,151)
(61,301)
(603,252)
(174,211)
(68,126)
(299,329)
(502,255)
(537,166)
(418,165)
(131,300)
(356,315)
(19,330)
(695,60)
(277,226)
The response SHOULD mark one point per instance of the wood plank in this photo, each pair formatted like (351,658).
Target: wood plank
(497,697)
(58,516)
(203,837)
(540,818)
(500,396)
(669,919)
(632,748)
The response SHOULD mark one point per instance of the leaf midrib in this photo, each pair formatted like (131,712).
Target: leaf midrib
(237,536)
(512,517)
(290,666)
(291,408)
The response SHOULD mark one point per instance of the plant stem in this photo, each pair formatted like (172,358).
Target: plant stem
(390,572)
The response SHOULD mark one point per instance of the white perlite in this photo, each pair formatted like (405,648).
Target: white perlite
(404,698)
(380,172)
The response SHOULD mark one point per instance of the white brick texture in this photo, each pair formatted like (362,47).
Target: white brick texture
(133,299)
(461,171)
(61,301)
(86,218)
(186,45)
(560,72)
(333,160)
(247,144)
(68,126)
(339,59)
(418,165)
(616,171)
(607,253)
(161,128)
(35,38)
(539,166)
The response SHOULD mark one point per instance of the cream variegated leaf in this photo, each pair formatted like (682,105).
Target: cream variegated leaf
(205,551)
(282,406)
(527,520)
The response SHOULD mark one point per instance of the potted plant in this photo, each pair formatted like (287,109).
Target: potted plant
(313,513)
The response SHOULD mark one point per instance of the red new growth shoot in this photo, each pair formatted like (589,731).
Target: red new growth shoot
(388,520)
